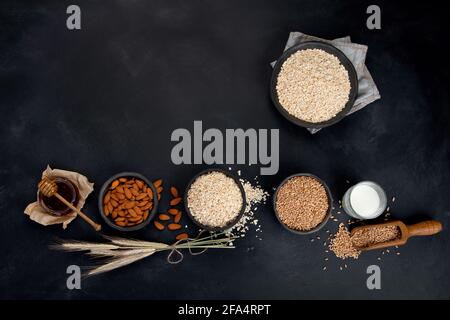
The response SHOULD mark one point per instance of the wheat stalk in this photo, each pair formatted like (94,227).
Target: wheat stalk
(120,252)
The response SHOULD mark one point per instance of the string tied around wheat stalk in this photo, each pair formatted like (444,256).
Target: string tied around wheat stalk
(119,252)
(180,254)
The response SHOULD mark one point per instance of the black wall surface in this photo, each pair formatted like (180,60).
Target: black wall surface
(106,98)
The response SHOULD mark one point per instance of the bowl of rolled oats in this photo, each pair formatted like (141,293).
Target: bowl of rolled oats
(314,85)
(215,200)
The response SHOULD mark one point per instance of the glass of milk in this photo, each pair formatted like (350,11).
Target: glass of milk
(365,200)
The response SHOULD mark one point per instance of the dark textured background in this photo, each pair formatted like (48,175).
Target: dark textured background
(106,99)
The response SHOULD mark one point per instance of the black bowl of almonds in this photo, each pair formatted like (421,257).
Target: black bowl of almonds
(128,201)
(215,200)
(302,203)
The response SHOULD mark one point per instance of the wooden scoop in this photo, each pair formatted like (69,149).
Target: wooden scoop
(425,228)
(49,188)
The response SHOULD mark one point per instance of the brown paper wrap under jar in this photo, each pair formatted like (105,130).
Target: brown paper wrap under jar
(39,214)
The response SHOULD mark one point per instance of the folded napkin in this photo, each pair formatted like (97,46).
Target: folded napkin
(356,53)
(38,214)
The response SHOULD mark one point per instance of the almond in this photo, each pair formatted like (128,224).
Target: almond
(150,193)
(174,226)
(140,184)
(120,196)
(106,210)
(174,192)
(114,184)
(128,193)
(158,225)
(123,179)
(175,201)
(145,215)
(159,190)
(142,203)
(135,219)
(177,218)
(182,236)
(107,197)
(132,212)
(110,207)
(114,214)
(141,196)
(129,204)
(121,223)
(114,203)
(159,196)
(135,187)
(173,211)
(113,196)
(119,219)
(147,206)
(163,217)
(120,189)
(158,183)
(134,192)
(122,213)
(137,210)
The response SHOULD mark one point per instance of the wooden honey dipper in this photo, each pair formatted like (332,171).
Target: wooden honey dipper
(49,188)
(425,228)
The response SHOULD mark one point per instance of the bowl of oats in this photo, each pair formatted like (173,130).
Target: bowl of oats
(314,85)
(215,200)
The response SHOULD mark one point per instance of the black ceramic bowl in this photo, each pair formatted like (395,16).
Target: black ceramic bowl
(232,222)
(105,189)
(353,78)
(327,216)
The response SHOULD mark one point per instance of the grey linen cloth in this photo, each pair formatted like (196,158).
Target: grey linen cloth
(356,53)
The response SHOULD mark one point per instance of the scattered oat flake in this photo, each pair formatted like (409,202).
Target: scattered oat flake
(254,195)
